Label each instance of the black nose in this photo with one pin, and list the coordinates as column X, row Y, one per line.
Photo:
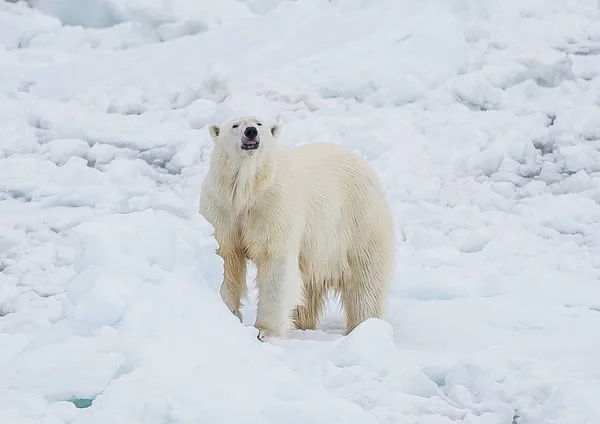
column 250, row 133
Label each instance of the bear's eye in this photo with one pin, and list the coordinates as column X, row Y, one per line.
column 235, row 125
column 259, row 124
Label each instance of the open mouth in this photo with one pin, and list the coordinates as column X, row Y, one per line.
column 250, row 144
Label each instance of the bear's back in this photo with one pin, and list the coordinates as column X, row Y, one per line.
column 345, row 203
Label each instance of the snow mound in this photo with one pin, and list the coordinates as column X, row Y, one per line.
column 146, row 318
column 88, row 13
column 366, row 344
column 169, row 19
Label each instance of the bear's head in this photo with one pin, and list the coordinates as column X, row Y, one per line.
column 244, row 136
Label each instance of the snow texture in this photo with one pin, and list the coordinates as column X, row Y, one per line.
column 482, row 119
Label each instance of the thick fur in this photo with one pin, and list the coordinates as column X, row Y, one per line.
column 313, row 219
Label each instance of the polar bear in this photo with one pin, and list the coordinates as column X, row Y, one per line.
column 313, row 219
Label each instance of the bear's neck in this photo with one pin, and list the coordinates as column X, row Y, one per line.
column 246, row 181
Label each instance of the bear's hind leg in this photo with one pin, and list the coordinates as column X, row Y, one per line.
column 308, row 315
column 364, row 294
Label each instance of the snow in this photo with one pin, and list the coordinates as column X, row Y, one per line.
column 482, row 119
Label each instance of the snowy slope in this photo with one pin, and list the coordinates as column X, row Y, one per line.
column 482, row 119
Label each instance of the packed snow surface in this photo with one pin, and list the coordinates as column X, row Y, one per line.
column 482, row 119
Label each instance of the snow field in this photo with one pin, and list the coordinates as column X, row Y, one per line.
column 481, row 118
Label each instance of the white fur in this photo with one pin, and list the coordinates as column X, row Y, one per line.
column 312, row 219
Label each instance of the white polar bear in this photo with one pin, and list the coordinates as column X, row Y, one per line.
column 312, row 219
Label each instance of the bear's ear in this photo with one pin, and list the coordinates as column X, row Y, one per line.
column 214, row 130
column 275, row 130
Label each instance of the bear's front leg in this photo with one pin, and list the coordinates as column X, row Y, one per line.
column 233, row 288
column 279, row 292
